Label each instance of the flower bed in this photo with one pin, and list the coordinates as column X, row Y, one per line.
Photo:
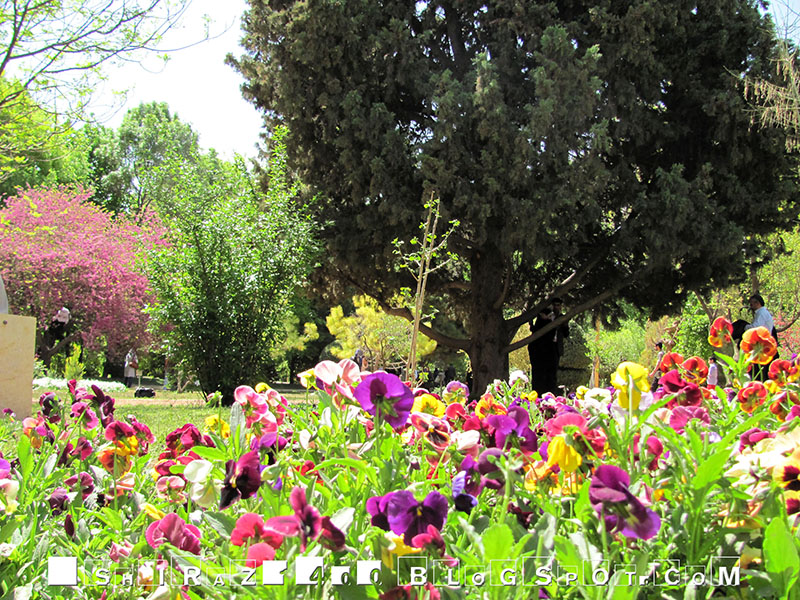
column 383, row 491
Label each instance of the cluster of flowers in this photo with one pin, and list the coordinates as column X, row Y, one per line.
column 499, row 454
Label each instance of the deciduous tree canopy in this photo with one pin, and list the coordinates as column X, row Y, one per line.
column 588, row 149
column 58, row 250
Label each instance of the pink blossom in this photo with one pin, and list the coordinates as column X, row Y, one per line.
column 176, row 531
column 58, row 248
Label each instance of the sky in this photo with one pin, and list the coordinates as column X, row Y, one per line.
column 195, row 82
column 204, row 91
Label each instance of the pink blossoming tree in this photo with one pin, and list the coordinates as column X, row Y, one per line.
column 58, row 250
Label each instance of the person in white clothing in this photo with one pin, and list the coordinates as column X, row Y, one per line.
column 713, row 372
column 761, row 316
column 131, row 364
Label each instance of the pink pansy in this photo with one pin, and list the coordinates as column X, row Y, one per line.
column 681, row 415
column 328, row 372
column 80, row 411
column 176, row 531
column 556, row 425
column 171, row 488
column 350, row 373
column 258, row 553
column 250, row 526
column 253, row 404
column 119, row 551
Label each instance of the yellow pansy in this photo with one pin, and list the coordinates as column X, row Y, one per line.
column 561, row 454
column 152, row 512
column 427, row 403
column 213, row 424
column 630, row 376
column 395, row 547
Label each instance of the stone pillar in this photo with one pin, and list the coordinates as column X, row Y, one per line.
column 17, row 341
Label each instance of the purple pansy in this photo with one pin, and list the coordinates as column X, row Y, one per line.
column 514, row 426
column 462, row 500
column 242, row 479
column 386, row 396
column 622, row 511
column 376, row 507
column 409, row 517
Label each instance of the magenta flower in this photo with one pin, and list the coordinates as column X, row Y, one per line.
column 118, row 430
column 686, row 393
column 251, row 527
column 58, row 501
column 331, row 536
column 622, row 511
column 409, row 517
column 174, row 530
column 433, row 542
column 514, row 428
column 183, row 439
column 242, row 479
column 748, row 439
column 81, row 412
column 383, row 395
column 143, row 434
column 307, row 523
column 49, row 403
column 86, row 483
column 681, row 415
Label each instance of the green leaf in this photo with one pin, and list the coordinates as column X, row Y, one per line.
column 497, row 542
column 213, row 454
column 24, row 455
column 220, row 522
column 711, row 468
column 780, row 554
column 111, row 518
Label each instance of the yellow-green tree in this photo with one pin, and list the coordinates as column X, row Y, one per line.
column 384, row 339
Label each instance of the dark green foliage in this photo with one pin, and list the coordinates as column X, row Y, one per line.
column 224, row 284
column 589, row 149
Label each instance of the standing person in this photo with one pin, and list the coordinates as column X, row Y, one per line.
column 131, row 364
column 713, row 372
column 545, row 353
column 656, row 373
column 58, row 326
column 761, row 318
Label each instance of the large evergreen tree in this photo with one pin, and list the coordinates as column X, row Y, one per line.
column 589, row 149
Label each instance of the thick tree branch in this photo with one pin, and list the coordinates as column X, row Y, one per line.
column 609, row 293
column 440, row 338
column 565, row 286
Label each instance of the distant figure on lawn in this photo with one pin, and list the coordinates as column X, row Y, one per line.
column 545, row 353
column 131, row 364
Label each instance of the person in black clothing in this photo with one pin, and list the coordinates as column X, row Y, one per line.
column 545, row 352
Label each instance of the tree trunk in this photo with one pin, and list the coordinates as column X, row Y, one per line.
column 488, row 329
